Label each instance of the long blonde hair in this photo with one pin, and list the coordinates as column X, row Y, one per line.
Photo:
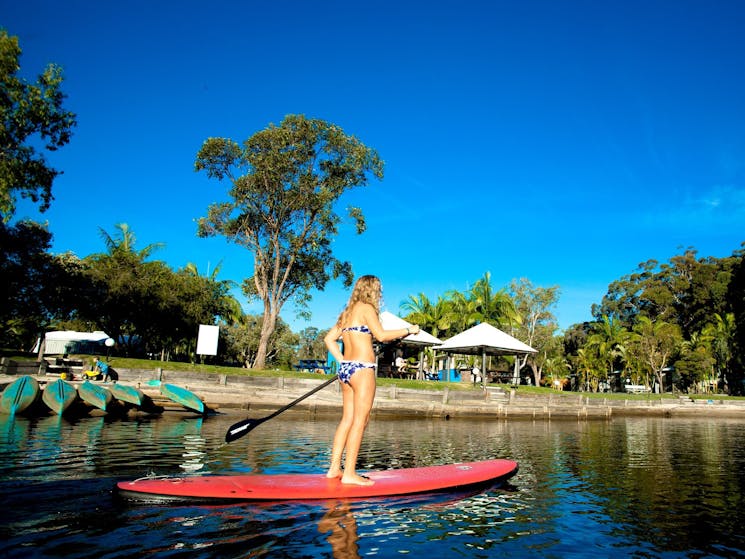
column 366, row 290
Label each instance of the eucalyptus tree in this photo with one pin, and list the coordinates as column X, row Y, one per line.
column 537, row 324
column 655, row 343
column 33, row 118
column 286, row 182
column 242, row 341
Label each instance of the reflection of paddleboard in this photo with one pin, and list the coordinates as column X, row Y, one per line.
column 19, row 395
column 182, row 396
column 94, row 395
column 316, row 486
column 59, row 395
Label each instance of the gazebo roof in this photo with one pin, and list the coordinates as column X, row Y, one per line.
column 390, row 321
column 484, row 338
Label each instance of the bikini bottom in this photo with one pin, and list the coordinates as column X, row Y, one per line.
column 348, row 368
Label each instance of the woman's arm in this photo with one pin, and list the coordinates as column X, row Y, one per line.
column 331, row 340
column 373, row 322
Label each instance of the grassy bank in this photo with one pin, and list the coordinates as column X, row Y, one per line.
column 129, row 363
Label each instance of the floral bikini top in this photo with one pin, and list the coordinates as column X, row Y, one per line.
column 362, row 329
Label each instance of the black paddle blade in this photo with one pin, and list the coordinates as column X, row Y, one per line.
column 239, row 429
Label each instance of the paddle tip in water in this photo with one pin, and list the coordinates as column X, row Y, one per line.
column 237, row 430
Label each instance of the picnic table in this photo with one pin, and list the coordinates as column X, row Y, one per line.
column 312, row 366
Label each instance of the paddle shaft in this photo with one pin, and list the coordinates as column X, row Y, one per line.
column 303, row 397
column 243, row 427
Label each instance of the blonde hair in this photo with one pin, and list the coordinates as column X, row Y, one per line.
column 366, row 290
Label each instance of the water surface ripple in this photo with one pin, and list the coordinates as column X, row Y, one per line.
column 628, row 487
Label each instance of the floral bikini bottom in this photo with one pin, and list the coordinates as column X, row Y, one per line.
column 348, row 368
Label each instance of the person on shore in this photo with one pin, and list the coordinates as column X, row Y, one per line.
column 103, row 368
column 357, row 325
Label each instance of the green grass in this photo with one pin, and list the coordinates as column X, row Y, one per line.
column 129, row 363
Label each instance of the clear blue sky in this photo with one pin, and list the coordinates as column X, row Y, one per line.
column 560, row 141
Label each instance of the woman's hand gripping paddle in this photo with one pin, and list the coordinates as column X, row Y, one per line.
column 237, row 430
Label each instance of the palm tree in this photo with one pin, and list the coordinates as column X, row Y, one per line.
column 124, row 243
column 495, row 307
column 464, row 310
column 722, row 335
column 607, row 340
column 231, row 308
column 434, row 318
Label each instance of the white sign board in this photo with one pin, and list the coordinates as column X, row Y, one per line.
column 207, row 340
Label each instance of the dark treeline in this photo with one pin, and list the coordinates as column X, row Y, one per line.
column 678, row 325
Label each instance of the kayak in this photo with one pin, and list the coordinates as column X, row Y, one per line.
column 183, row 397
column 59, row 396
column 282, row 487
column 127, row 394
column 19, row 395
column 94, row 395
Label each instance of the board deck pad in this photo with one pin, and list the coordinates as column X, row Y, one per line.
column 282, row 487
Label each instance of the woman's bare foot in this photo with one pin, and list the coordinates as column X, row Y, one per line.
column 333, row 473
column 354, row 479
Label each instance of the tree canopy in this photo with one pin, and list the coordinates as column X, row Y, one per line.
column 285, row 183
column 32, row 115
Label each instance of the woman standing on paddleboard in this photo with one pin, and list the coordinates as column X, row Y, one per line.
column 357, row 325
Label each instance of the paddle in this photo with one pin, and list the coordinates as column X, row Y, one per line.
column 237, row 430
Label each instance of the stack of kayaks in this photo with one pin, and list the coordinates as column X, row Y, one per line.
column 24, row 395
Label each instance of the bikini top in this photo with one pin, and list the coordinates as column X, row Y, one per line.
column 362, row 329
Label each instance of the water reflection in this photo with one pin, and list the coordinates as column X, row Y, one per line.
column 643, row 487
column 339, row 523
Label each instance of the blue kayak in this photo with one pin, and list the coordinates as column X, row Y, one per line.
column 19, row 395
column 94, row 395
column 127, row 394
column 59, row 396
column 182, row 396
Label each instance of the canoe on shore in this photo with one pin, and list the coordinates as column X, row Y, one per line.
column 182, row 396
column 59, row 396
column 19, row 395
column 94, row 395
column 127, row 394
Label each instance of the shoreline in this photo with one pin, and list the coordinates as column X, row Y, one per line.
column 249, row 395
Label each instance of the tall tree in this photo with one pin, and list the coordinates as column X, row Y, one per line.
column 736, row 298
column 436, row 318
column 655, row 343
column 286, row 181
column 32, row 118
column 493, row 306
column 36, row 287
column 607, row 340
column 538, row 324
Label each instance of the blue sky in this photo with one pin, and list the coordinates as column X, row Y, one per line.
column 560, row 141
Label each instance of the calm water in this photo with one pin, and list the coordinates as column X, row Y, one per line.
column 627, row 487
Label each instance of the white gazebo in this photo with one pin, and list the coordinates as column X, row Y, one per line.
column 485, row 339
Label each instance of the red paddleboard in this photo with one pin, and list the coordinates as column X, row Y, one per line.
column 283, row 487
